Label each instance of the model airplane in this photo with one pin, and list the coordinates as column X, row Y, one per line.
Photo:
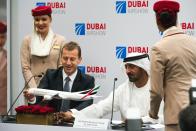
column 53, row 94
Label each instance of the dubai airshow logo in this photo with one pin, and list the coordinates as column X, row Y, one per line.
column 121, row 7
column 132, row 6
column 57, row 7
column 80, row 28
column 188, row 27
column 96, row 29
column 98, row 72
column 82, row 69
column 122, row 51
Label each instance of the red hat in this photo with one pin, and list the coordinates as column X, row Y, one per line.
column 169, row 5
column 41, row 10
column 3, row 27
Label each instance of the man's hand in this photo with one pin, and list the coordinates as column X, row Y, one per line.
column 61, row 117
column 28, row 96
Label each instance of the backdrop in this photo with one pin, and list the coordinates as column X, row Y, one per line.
column 107, row 30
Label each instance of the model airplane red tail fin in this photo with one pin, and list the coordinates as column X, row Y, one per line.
column 91, row 92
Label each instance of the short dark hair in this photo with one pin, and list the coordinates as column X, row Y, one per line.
column 187, row 118
column 71, row 46
column 167, row 19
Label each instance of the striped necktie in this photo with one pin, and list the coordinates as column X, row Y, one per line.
column 66, row 88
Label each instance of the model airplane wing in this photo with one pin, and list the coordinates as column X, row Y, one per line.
column 53, row 94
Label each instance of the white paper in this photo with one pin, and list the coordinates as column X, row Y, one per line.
column 91, row 123
column 157, row 126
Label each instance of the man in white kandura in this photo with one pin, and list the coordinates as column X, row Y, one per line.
column 133, row 93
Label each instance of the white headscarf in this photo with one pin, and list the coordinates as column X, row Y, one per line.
column 139, row 59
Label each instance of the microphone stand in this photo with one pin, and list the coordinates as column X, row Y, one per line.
column 115, row 79
column 5, row 117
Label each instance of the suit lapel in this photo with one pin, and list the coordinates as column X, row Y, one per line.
column 60, row 80
column 77, row 82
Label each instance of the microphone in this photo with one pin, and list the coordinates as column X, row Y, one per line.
column 22, row 91
column 192, row 92
column 7, row 114
column 114, row 85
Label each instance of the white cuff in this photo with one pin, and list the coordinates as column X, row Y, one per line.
column 32, row 102
column 76, row 113
column 148, row 119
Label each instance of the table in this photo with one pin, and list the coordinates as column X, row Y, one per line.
column 29, row 127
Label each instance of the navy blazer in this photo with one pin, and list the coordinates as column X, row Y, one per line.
column 53, row 80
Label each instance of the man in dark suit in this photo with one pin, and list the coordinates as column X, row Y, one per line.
column 56, row 79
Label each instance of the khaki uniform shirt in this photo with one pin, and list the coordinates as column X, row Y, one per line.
column 173, row 65
column 3, row 82
column 35, row 65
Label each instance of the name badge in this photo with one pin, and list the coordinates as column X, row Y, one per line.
column 91, row 123
column 56, row 47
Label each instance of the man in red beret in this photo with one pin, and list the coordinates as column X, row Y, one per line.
column 173, row 65
column 3, row 69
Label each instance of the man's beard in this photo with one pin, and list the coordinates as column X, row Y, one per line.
column 132, row 78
